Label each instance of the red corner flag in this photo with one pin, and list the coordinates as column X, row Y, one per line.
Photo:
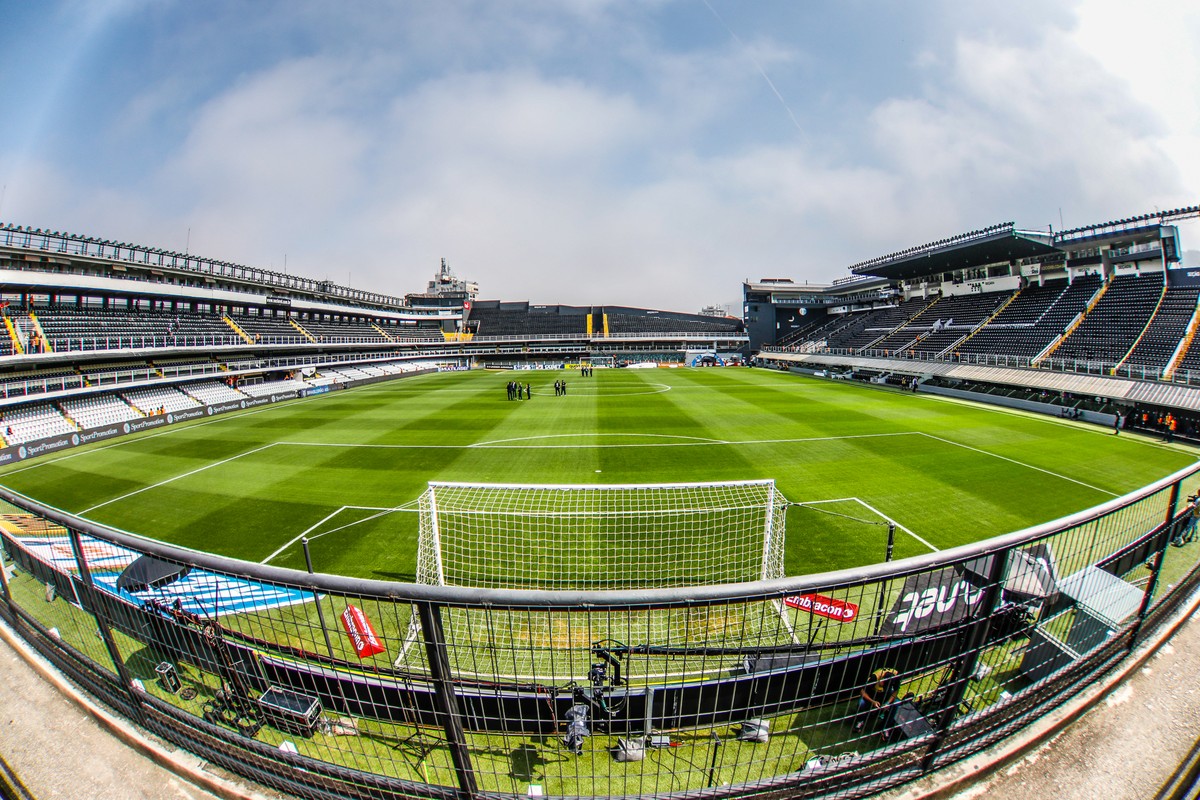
column 362, row 635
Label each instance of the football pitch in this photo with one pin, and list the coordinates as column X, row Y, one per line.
column 345, row 469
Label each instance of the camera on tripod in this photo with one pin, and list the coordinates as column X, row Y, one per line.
column 598, row 675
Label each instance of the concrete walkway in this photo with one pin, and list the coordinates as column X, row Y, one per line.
column 60, row 751
column 1125, row 748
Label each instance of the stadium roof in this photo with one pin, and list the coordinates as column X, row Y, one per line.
column 1129, row 226
column 989, row 245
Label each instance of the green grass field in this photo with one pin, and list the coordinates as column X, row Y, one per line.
column 248, row 485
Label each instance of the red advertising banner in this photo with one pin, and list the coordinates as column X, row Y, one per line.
column 822, row 606
column 362, row 635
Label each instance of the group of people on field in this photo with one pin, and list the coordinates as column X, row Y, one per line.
column 522, row 391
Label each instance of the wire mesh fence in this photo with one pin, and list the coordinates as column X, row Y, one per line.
column 831, row 685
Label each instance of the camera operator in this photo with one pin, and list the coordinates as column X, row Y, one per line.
column 1187, row 533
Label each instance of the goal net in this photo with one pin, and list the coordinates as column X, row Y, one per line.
column 579, row 538
column 600, row 537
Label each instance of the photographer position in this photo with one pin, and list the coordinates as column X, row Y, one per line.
column 1187, row 533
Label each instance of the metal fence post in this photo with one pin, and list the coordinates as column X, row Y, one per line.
column 1156, row 565
column 968, row 659
column 85, row 574
column 434, row 636
column 7, row 592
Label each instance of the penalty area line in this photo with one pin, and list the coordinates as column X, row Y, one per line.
column 300, row 536
column 909, row 531
column 381, row 511
column 873, row 510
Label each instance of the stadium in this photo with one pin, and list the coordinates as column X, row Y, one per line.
column 351, row 545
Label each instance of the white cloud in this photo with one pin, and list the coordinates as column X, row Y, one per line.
column 565, row 154
column 1017, row 131
column 1151, row 53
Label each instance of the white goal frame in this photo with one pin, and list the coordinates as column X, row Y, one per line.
column 573, row 537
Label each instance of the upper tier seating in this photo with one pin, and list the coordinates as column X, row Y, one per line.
column 660, row 322
column 1031, row 321
column 863, row 328
column 270, row 330
column 1116, row 321
column 1166, row 329
column 519, row 319
column 349, row 332
column 69, row 328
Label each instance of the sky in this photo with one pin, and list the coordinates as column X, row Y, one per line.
column 633, row 152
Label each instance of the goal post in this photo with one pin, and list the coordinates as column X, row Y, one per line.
column 600, row 537
column 591, row 537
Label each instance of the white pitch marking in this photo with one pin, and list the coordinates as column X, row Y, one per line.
column 819, row 502
column 175, row 478
column 691, row 439
column 1021, row 464
column 876, row 511
column 699, row 443
column 382, row 512
column 307, row 531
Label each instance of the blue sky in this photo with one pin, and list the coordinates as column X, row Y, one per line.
column 590, row 151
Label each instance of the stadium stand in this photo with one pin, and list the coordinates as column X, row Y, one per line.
column 350, row 332
column 1110, row 329
column 28, row 423
column 866, row 328
column 167, row 398
column 869, row 331
column 956, row 318
column 213, row 392
column 273, row 387
column 623, row 321
column 1027, row 325
column 1166, row 329
column 21, row 384
column 805, row 331
column 96, row 410
column 1190, row 362
column 496, row 318
column 270, row 330
column 72, row 329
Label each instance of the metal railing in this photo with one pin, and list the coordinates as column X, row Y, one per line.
column 1078, row 366
column 326, row 686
